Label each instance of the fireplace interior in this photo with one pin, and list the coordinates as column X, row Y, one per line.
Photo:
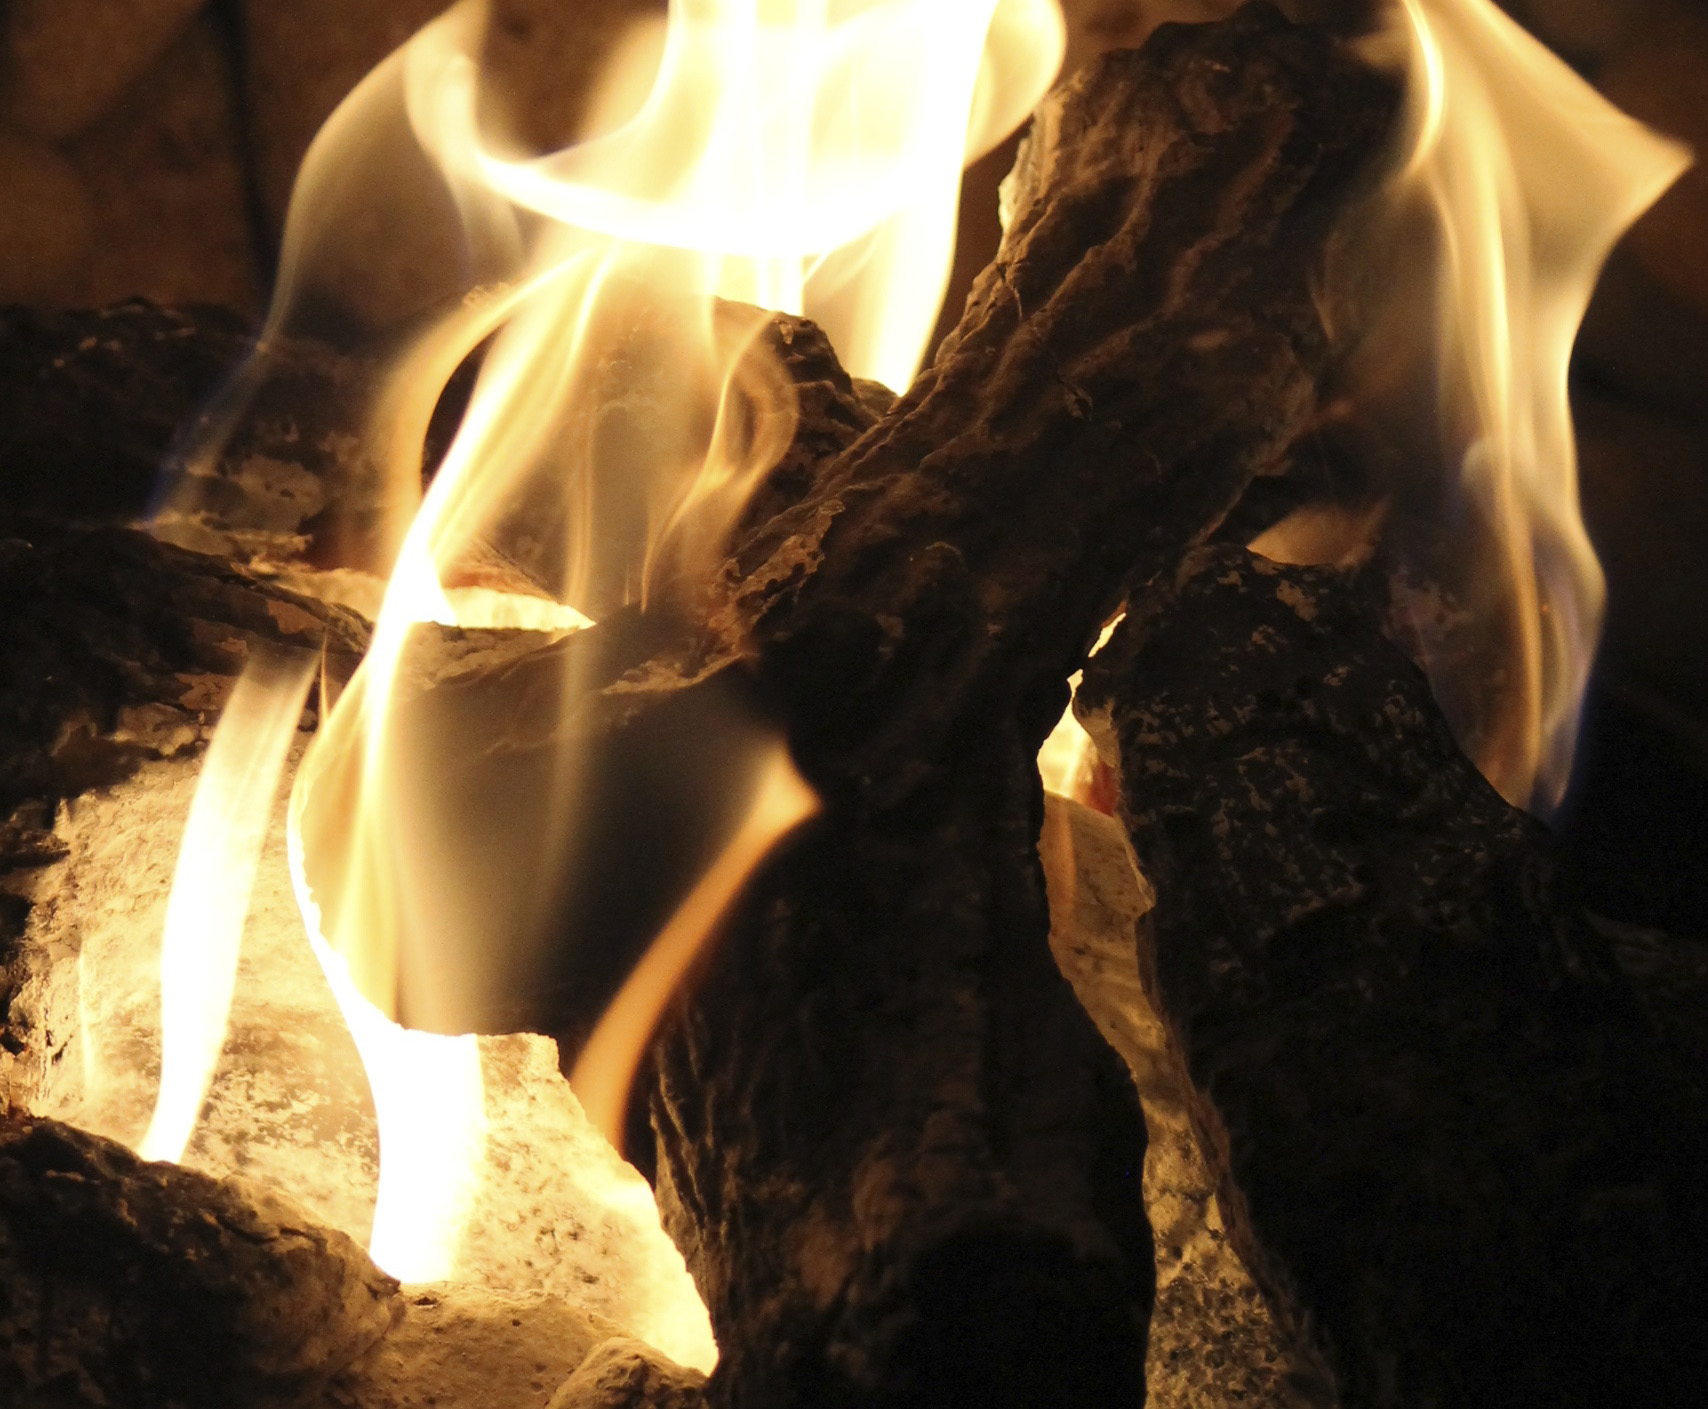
column 973, row 809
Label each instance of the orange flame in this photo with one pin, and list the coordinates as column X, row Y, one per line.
column 606, row 1067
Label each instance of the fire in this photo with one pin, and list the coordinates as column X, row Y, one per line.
column 799, row 155
column 217, row 862
column 1518, row 180
column 607, row 1064
column 1533, row 177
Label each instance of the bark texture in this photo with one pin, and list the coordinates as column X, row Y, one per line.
column 147, row 1285
column 1446, row 1137
column 898, row 1158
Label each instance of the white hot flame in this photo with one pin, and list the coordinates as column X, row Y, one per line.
column 211, row 887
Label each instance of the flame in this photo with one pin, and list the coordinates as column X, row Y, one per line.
column 606, row 1067
column 429, row 1107
column 217, row 862
column 799, row 155
column 1530, row 178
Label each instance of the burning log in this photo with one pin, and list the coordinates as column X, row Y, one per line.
column 902, row 1164
column 889, row 1142
column 1446, row 1138
column 117, row 647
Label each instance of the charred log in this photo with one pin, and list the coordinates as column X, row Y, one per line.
column 903, row 1165
column 141, row 1284
column 115, row 647
column 1445, row 1135
column 890, row 1143
column 96, row 399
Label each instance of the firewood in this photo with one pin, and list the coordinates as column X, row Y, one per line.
column 115, row 647
column 1448, row 1142
column 902, row 1164
column 123, row 1282
column 890, row 1145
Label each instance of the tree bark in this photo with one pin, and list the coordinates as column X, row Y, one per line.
column 1447, row 1140
column 891, row 1146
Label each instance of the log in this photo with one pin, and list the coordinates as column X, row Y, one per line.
column 1448, row 1142
column 115, row 647
column 111, row 408
column 900, row 1160
column 123, row 1282
column 891, row 1147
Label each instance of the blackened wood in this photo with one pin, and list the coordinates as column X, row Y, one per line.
column 1446, row 1137
column 147, row 1285
column 115, row 648
column 899, row 1160
column 1145, row 342
column 93, row 400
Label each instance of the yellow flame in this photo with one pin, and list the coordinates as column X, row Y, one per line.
column 211, row 887
column 802, row 155
column 429, row 1107
column 1532, row 177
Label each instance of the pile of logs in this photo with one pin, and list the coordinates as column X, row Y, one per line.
column 1454, row 1150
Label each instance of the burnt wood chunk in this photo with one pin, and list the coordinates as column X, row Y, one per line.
column 115, row 648
column 1145, row 342
column 1448, row 1142
column 124, row 1282
column 95, row 399
column 901, row 1163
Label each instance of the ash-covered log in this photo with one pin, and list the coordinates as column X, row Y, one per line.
column 1448, row 1143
